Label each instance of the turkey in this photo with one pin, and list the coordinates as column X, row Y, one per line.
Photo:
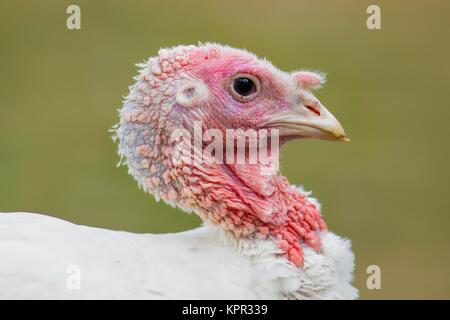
column 200, row 129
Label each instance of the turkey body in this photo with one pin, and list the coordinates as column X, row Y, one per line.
column 42, row 257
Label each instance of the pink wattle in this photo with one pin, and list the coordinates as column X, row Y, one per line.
column 286, row 216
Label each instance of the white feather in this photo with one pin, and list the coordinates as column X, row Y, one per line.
column 37, row 251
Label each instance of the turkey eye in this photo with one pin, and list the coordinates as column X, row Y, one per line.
column 244, row 87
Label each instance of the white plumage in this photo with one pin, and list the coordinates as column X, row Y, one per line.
column 37, row 251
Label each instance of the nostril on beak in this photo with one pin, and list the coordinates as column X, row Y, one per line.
column 313, row 107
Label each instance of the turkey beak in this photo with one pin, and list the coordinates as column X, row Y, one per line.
column 307, row 119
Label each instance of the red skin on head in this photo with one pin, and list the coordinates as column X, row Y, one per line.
column 245, row 202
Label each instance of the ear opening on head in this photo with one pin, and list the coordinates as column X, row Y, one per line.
column 309, row 79
column 192, row 93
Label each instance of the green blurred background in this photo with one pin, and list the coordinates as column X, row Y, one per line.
column 387, row 190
